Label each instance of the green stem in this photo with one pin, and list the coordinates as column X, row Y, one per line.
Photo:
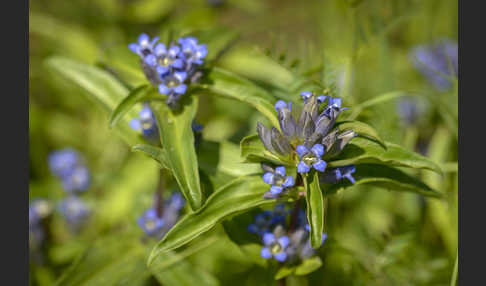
column 454, row 272
column 159, row 196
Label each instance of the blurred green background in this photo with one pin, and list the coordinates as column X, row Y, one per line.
column 379, row 237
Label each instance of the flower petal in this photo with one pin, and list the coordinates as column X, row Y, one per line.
column 302, row 167
column 280, row 170
column 284, row 241
column 135, row 124
column 160, row 50
column 265, row 253
column 301, row 150
column 163, row 89
column 268, row 238
column 318, row 150
column 276, row 190
column 289, row 182
column 281, row 256
column 320, row 165
column 180, row 89
column 268, row 178
column 280, row 104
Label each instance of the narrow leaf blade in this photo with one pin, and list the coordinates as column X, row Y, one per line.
column 136, row 95
column 155, row 153
column 315, row 208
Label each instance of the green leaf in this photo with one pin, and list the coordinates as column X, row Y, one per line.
column 284, row 271
column 225, row 83
column 239, row 195
column 308, row 266
column 136, row 95
column 362, row 129
column 357, row 109
column 101, row 87
column 253, row 150
column 361, row 150
column 383, row 176
column 315, row 208
column 156, row 153
column 224, row 157
column 177, row 139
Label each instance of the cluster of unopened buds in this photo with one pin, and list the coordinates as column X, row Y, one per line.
column 157, row 221
column 171, row 67
column 286, row 242
column 310, row 140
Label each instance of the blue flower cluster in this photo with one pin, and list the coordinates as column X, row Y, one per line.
column 157, row 221
column 312, row 138
column 436, row 62
column 68, row 166
column 335, row 175
column 169, row 68
column 279, row 242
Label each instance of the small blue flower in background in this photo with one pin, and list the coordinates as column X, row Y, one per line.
column 436, row 61
column 77, row 180
column 274, row 247
column 409, row 110
column 145, row 122
column 197, row 129
column 262, row 224
column 67, row 165
column 144, row 45
column 278, row 180
column 310, row 158
column 150, row 222
column 173, row 86
column 279, row 214
column 38, row 210
column 63, row 161
column 74, row 210
column 282, row 104
column 154, row 223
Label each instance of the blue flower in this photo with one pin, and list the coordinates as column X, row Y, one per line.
column 146, row 122
column 279, row 214
column 192, row 52
column 165, row 59
column 144, row 45
column 282, row 104
column 335, row 175
column 409, row 110
column 74, row 210
column 150, row 222
column 157, row 224
column 278, row 180
column 77, row 180
column 436, row 62
column 262, row 224
column 310, row 158
column 274, row 247
column 307, row 94
column 38, row 210
column 62, row 162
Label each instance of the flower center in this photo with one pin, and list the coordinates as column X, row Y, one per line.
column 278, row 180
column 275, row 247
column 165, row 61
column 150, row 224
column 309, row 159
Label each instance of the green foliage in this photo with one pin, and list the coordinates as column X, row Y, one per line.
column 315, row 208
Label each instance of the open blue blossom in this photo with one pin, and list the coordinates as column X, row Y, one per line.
column 62, row 162
column 274, row 247
column 311, row 158
column 145, row 122
column 173, row 86
column 78, row 180
column 436, row 62
column 193, row 52
column 74, row 210
column 157, row 223
column 165, row 59
column 278, row 180
column 144, row 45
